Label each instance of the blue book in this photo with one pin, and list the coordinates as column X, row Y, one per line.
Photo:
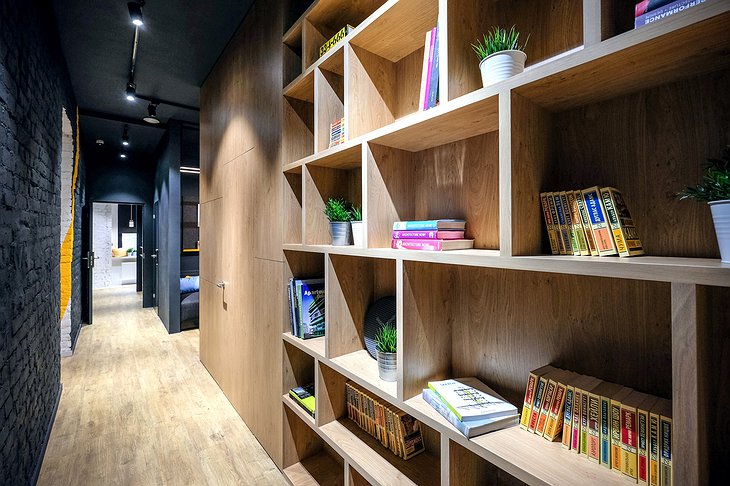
column 310, row 299
column 472, row 428
column 433, row 89
column 434, row 224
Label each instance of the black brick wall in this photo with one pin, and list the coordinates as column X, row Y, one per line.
column 34, row 87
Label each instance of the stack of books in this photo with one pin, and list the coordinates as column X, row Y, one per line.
column 306, row 307
column 594, row 221
column 470, row 406
column 650, row 11
column 430, row 71
column 395, row 429
column 337, row 132
column 304, row 396
column 335, row 39
column 612, row 425
column 432, row 235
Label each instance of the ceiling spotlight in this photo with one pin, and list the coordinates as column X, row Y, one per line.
column 131, row 91
column 99, row 141
column 135, row 12
column 122, row 155
column 152, row 114
column 125, row 136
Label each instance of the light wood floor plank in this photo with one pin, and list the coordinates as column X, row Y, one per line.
column 138, row 408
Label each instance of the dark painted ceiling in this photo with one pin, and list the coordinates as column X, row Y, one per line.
column 178, row 45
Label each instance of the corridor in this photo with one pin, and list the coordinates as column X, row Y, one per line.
column 138, row 408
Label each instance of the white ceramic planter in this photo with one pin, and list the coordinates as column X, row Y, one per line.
column 501, row 65
column 721, row 217
column 357, row 235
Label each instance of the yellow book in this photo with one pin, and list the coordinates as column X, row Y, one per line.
column 664, row 409
column 616, row 400
column 580, row 235
column 642, row 445
column 532, row 381
column 572, row 235
column 586, row 223
column 621, row 224
column 599, row 422
column 629, row 437
column 549, row 224
column 556, row 412
column 654, row 448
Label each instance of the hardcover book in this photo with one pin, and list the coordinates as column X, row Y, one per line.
column 616, row 450
column 599, row 224
column 562, row 249
column 537, row 403
column 664, row 409
column 549, row 224
column 585, row 414
column 629, row 439
column 654, row 448
column 432, row 224
column 586, row 223
column 547, row 402
column 603, row 394
column 310, row 296
column 554, row 426
column 428, row 235
column 580, row 235
column 469, row 399
column 433, row 89
column 568, row 415
column 532, row 381
column 562, row 224
column 471, row 428
column 569, row 223
column 431, row 245
column 622, row 225
column 642, row 447
column 425, row 72
column 432, row 41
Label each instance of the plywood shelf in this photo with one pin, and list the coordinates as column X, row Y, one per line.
column 314, row 347
column 361, row 368
column 302, row 88
column 376, row 463
column 304, row 416
column 318, row 470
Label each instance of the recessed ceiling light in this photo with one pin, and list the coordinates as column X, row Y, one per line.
column 122, row 155
column 135, row 12
column 99, row 141
column 125, row 136
column 152, row 114
column 131, row 91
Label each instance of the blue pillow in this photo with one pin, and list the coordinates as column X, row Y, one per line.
column 189, row 284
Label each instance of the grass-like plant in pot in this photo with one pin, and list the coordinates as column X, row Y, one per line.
column 337, row 211
column 356, row 223
column 715, row 190
column 500, row 54
column 386, row 345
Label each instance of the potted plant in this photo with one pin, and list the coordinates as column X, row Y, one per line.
column 338, row 213
column 715, row 190
column 386, row 345
column 356, row 223
column 500, row 55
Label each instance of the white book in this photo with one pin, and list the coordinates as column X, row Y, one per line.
column 470, row 399
column 424, row 71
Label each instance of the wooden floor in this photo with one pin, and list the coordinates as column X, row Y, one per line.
column 138, row 408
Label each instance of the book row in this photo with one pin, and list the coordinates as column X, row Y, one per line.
column 591, row 222
column 337, row 132
column 470, row 406
column 612, row 425
column 395, row 429
column 306, row 307
column 335, row 39
column 430, row 235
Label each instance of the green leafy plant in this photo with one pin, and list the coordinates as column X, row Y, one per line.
column 337, row 210
column 386, row 339
column 356, row 214
column 715, row 185
column 498, row 39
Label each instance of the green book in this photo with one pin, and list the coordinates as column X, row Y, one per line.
column 304, row 396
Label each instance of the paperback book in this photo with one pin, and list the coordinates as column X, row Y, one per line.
column 473, row 428
column 304, row 396
column 468, row 400
column 662, row 12
column 431, row 245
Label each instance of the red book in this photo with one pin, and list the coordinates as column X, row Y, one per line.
column 431, row 245
column 428, row 235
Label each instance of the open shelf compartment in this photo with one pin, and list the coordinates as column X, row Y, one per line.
column 376, row 463
column 293, row 205
column 302, row 265
column 649, row 144
column 308, row 459
column 467, row 468
column 554, row 27
column 329, row 86
column 353, row 284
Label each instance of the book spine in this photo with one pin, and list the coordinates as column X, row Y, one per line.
column 666, row 477
column 547, row 402
column 424, row 101
column 429, row 245
column 594, row 424
column 654, row 449
column 415, row 225
column 291, row 307
column 616, row 436
column 584, row 412
column 626, row 223
column 552, row 236
column 606, row 432
column 642, row 458
column 575, row 439
column 529, row 399
column 535, row 413
column 428, row 235
column 586, row 223
column 554, row 426
column 614, row 224
column 628, row 441
column 601, row 232
column 434, row 84
column 666, row 11
column 564, row 232
column 424, row 70
column 568, row 416
column 580, row 235
column 556, row 223
column 569, row 224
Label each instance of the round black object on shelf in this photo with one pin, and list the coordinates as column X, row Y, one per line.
column 380, row 313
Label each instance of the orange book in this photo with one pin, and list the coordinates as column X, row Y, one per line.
column 547, row 401
column 532, row 381
column 556, row 414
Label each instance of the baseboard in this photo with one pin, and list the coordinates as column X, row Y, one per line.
column 39, row 463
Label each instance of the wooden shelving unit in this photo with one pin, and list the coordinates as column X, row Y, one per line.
column 598, row 104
